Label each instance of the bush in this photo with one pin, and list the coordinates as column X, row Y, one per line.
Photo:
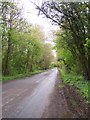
column 77, row 81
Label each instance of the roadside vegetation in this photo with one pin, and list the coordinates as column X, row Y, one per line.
column 24, row 51
column 72, row 40
column 19, row 76
column 77, row 81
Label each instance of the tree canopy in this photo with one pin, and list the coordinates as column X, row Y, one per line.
column 73, row 19
column 23, row 45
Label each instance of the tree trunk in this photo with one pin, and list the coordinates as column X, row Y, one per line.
column 84, row 64
column 7, row 60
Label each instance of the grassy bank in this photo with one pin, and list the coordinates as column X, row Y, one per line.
column 17, row 76
column 78, row 82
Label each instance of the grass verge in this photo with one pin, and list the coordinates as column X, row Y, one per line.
column 8, row 78
column 78, row 82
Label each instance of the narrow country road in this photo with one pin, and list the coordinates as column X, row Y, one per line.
column 28, row 97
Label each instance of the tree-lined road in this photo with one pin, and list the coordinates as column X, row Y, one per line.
column 28, row 97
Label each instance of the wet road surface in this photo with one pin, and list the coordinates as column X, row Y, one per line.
column 28, row 97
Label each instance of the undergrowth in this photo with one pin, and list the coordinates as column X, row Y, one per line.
column 78, row 82
column 17, row 76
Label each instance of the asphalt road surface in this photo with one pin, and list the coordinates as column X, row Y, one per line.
column 28, row 97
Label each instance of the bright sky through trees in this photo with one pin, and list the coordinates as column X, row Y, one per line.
column 31, row 15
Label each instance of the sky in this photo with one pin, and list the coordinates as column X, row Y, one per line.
column 31, row 15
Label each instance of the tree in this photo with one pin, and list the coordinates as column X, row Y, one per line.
column 73, row 18
column 27, row 49
column 10, row 17
column 48, row 57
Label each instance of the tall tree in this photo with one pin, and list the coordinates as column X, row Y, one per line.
column 73, row 17
column 10, row 17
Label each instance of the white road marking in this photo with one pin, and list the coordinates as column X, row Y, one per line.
column 17, row 95
column 3, row 98
column 7, row 102
column 5, row 109
column 11, row 99
column 38, row 81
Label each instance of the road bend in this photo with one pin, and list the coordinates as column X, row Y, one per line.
column 28, row 97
